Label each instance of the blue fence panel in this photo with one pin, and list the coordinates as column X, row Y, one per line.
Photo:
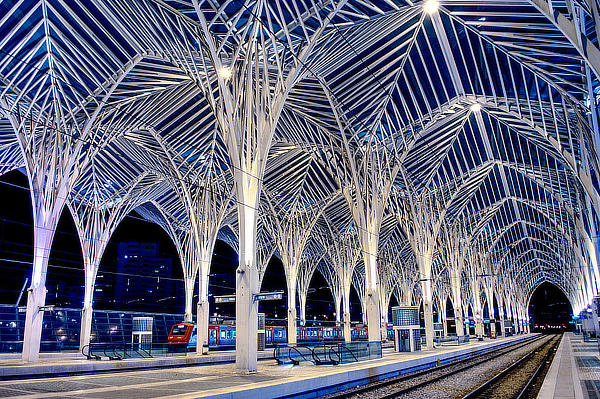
column 61, row 327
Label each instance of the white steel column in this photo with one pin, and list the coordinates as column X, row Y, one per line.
column 292, row 316
column 45, row 222
column 302, row 299
column 346, row 319
column 189, row 282
column 457, row 304
column 444, row 318
column 202, row 308
column 246, row 309
column 427, row 310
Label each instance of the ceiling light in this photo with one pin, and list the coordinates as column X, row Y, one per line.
column 225, row 73
column 431, row 6
column 475, row 107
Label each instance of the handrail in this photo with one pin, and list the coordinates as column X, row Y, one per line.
column 326, row 353
column 140, row 351
column 115, row 355
column 88, row 348
column 316, row 357
column 297, row 351
column 349, row 350
column 339, row 357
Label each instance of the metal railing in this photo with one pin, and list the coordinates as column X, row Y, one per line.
column 327, row 353
column 120, row 351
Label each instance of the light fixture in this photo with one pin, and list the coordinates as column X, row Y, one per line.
column 475, row 107
column 431, row 6
column 225, row 73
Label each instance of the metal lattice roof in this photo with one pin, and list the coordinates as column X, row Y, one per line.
column 465, row 140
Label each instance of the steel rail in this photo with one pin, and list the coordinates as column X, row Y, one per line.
column 538, row 371
column 406, row 377
column 479, row 391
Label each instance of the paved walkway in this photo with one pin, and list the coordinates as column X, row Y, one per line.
column 11, row 365
column 221, row 381
column 575, row 371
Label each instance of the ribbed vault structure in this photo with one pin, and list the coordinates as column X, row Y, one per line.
column 426, row 151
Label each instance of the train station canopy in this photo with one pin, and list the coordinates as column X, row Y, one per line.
column 427, row 150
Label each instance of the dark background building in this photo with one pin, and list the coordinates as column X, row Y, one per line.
column 144, row 277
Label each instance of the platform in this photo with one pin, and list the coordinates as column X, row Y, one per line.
column 221, row 380
column 11, row 366
column 575, row 371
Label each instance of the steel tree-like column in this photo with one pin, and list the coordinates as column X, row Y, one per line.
column 454, row 251
column 291, row 230
column 309, row 261
column 501, row 315
column 457, row 304
column 427, row 296
column 344, row 252
column 51, row 171
column 94, row 235
column 254, row 73
column 423, row 243
column 489, row 294
column 328, row 271
column 95, row 223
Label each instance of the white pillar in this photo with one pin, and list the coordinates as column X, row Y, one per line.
column 189, row 283
column 347, row 329
column 373, row 316
column 384, row 323
column 458, row 320
column 369, row 244
column 478, row 325
column 36, row 297
column 85, row 332
column 202, row 316
column 427, row 311
column 203, row 306
column 303, row 309
column 338, row 309
column 444, row 317
column 247, row 284
column 292, row 330
column 43, row 235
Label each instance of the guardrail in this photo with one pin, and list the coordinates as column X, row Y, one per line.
column 120, row 351
column 327, row 353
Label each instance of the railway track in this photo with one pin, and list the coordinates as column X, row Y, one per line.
column 406, row 385
column 521, row 379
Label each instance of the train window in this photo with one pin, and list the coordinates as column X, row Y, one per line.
column 179, row 329
column 223, row 334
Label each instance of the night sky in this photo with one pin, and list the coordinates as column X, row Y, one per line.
column 65, row 274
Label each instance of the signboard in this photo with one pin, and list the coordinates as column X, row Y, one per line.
column 262, row 296
column 23, row 309
column 268, row 296
column 224, row 298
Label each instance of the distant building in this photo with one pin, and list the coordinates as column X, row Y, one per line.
column 65, row 293
column 104, row 290
column 143, row 280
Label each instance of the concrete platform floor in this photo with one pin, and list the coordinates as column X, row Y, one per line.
column 11, row 366
column 575, row 371
column 221, row 381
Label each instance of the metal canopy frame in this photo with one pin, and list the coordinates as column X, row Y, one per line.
column 446, row 151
